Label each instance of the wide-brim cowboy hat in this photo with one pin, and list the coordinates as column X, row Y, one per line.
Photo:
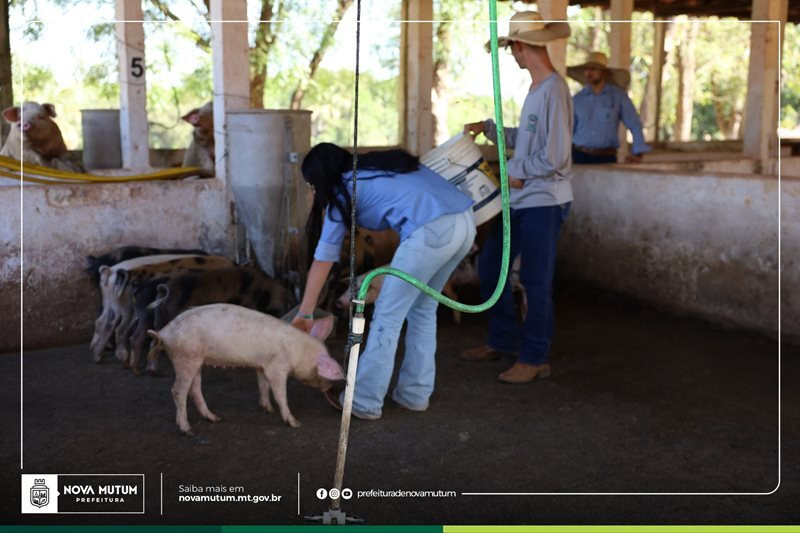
column 528, row 27
column 618, row 76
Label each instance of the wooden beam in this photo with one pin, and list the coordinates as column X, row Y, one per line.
column 761, row 109
column 402, row 87
column 686, row 65
column 230, row 56
column 741, row 9
column 418, row 70
column 703, row 10
column 557, row 50
column 620, row 41
column 6, row 88
column 652, row 115
column 133, row 85
column 231, row 60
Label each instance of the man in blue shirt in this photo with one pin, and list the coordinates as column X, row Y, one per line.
column 599, row 107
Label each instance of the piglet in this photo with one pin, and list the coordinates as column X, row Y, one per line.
column 228, row 335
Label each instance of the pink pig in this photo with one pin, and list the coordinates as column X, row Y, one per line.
column 228, row 335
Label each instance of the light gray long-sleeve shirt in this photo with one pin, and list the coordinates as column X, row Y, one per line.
column 542, row 146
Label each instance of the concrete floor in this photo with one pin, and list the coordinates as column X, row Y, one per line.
column 638, row 402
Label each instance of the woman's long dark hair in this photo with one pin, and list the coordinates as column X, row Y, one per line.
column 322, row 169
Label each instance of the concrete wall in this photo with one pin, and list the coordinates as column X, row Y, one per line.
column 696, row 243
column 62, row 224
column 721, row 163
column 790, row 167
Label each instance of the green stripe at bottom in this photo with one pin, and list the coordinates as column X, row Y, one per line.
column 621, row 529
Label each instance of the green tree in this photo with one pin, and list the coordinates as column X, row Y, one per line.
column 790, row 88
column 292, row 51
column 458, row 40
column 330, row 96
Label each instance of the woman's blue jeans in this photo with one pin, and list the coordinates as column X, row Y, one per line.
column 431, row 253
column 534, row 234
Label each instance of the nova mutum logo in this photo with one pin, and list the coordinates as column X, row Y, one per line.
column 83, row 493
column 39, row 494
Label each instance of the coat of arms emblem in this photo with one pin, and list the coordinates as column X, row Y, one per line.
column 40, row 493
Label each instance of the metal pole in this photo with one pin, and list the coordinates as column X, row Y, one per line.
column 347, row 409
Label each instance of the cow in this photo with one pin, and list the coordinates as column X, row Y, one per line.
column 201, row 150
column 35, row 138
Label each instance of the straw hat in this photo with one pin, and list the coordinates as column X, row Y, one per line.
column 618, row 76
column 528, row 27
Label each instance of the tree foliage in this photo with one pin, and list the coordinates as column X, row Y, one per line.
column 720, row 84
column 790, row 87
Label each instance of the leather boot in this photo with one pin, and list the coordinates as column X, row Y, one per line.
column 524, row 373
column 481, row 353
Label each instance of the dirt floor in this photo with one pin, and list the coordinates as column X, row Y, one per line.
column 639, row 402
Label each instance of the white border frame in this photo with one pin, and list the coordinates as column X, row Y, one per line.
column 773, row 491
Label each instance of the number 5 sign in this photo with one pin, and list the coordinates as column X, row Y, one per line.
column 137, row 67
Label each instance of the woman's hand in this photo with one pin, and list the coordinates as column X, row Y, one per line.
column 302, row 323
column 515, row 183
column 317, row 275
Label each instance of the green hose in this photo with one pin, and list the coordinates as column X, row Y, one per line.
column 501, row 148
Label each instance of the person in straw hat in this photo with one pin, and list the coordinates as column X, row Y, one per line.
column 599, row 107
column 540, row 174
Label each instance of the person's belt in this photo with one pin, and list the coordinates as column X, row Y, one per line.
column 596, row 151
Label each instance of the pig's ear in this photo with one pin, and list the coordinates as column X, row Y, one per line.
column 51, row 109
column 192, row 117
column 11, row 114
column 322, row 327
column 328, row 368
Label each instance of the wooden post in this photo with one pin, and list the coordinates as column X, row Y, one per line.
column 652, row 107
column 230, row 56
column 620, row 41
column 761, row 108
column 418, row 76
column 133, row 87
column 557, row 50
column 6, row 89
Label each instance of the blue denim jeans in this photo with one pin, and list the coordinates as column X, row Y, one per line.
column 534, row 233
column 431, row 254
